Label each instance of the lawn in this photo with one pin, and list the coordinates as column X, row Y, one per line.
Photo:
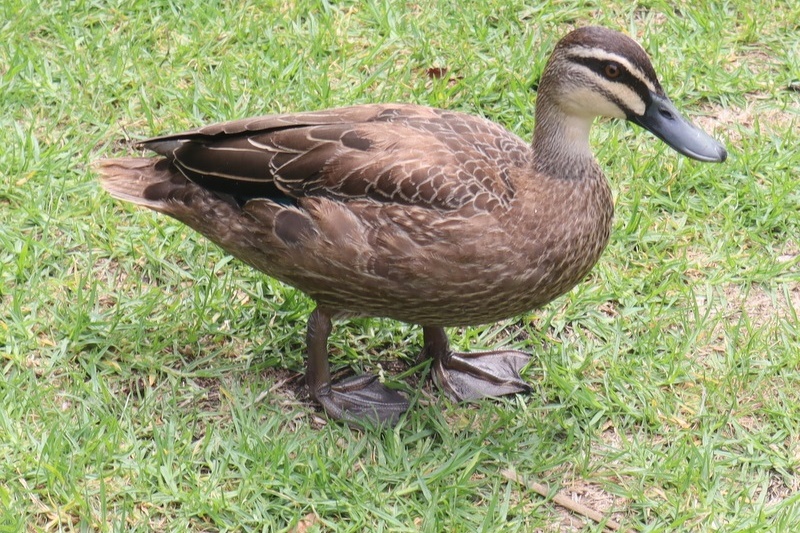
column 151, row 383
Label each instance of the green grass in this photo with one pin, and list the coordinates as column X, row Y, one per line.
column 148, row 382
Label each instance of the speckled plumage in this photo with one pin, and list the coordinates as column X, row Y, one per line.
column 399, row 211
column 422, row 215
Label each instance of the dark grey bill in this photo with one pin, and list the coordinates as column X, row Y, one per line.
column 664, row 120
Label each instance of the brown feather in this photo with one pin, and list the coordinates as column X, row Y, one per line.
column 423, row 215
column 400, row 153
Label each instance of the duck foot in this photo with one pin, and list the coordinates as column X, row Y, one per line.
column 471, row 376
column 358, row 400
column 362, row 399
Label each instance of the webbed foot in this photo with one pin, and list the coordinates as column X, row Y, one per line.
column 361, row 399
column 358, row 400
column 471, row 376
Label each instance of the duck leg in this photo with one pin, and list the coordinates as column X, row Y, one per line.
column 358, row 399
column 470, row 376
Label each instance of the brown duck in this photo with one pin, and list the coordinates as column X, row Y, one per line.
column 422, row 215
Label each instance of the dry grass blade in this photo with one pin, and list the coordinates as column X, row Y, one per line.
column 563, row 500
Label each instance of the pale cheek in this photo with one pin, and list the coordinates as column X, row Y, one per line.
column 583, row 102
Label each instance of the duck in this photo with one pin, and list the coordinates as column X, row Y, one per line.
column 427, row 216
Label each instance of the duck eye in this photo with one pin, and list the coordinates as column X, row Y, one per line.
column 612, row 70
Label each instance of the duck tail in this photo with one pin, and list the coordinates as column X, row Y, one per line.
column 145, row 181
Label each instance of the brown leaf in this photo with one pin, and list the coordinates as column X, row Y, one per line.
column 306, row 523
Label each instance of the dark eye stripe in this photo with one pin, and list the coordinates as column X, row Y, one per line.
column 624, row 78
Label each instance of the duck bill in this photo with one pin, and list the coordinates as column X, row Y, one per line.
column 663, row 120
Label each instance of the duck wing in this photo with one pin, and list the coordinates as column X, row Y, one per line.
column 401, row 154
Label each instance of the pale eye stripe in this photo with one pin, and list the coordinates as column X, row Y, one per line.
column 603, row 55
column 620, row 94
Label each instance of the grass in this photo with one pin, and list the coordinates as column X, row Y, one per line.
column 148, row 382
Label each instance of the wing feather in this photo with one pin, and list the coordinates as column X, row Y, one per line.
column 388, row 153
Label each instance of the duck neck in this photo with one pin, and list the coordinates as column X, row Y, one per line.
column 561, row 142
